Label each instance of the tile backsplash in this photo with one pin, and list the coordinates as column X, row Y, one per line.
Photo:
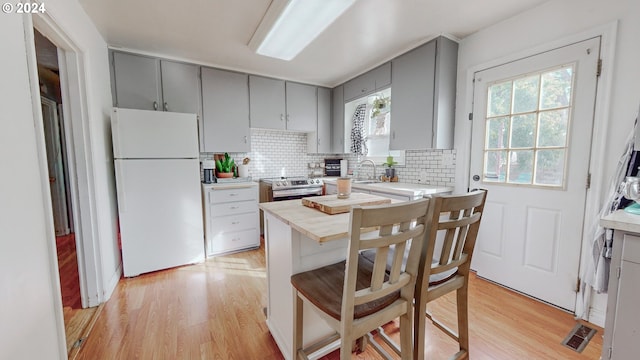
column 281, row 153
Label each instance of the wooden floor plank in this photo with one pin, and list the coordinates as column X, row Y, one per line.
column 214, row 310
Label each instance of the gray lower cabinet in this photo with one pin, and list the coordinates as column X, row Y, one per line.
column 302, row 107
column 231, row 217
column 622, row 326
column 337, row 120
column 267, row 105
column 423, row 96
column 225, row 104
column 320, row 141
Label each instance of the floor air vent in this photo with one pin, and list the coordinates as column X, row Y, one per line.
column 579, row 337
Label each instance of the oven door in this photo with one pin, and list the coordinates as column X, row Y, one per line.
column 292, row 194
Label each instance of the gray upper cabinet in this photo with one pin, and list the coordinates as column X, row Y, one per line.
column 142, row 82
column 180, row 87
column 225, row 105
column 337, row 120
column 267, row 105
column 423, row 96
column 136, row 81
column 368, row 82
column 320, row 141
column 302, row 107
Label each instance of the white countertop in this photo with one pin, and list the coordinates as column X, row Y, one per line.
column 400, row 188
column 621, row 220
column 230, row 185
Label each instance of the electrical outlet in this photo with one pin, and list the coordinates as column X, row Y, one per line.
column 423, row 176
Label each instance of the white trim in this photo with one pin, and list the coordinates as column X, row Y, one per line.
column 32, row 67
column 608, row 34
column 81, row 173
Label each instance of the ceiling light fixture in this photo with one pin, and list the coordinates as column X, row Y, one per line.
column 290, row 25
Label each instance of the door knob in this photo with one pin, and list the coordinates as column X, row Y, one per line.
column 476, row 177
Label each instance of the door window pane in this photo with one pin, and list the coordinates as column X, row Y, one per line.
column 523, row 131
column 499, row 99
column 525, row 94
column 556, row 88
column 497, row 133
column 553, row 128
column 494, row 166
column 527, row 134
column 550, row 167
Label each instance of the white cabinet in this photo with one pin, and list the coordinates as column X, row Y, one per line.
column 320, row 140
column 622, row 326
column 231, row 217
column 225, row 111
column 337, row 120
column 423, row 96
column 365, row 84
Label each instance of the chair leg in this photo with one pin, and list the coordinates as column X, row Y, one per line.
column 406, row 341
column 297, row 323
column 463, row 319
column 419, row 320
column 346, row 344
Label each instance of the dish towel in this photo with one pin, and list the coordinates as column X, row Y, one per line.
column 358, row 137
column 596, row 273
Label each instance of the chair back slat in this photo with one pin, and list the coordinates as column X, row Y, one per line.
column 401, row 226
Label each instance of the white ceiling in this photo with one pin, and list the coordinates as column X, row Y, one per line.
column 216, row 32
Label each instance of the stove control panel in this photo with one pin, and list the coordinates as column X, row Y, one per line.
column 296, row 183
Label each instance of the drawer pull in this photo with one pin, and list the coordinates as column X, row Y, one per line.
column 234, row 194
column 235, row 223
column 235, row 239
column 234, row 207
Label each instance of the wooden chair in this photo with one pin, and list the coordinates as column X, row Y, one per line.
column 458, row 217
column 356, row 296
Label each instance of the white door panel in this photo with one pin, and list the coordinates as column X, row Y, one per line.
column 532, row 155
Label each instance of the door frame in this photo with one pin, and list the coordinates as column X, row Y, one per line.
column 81, row 174
column 608, row 33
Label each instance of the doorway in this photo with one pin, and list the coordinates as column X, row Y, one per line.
column 76, row 319
column 531, row 140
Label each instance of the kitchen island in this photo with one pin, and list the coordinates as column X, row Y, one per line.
column 298, row 239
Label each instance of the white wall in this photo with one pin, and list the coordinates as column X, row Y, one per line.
column 26, row 290
column 554, row 20
column 30, row 305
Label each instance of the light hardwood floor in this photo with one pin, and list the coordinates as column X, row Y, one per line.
column 214, row 310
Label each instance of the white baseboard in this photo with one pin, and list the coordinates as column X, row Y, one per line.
column 597, row 316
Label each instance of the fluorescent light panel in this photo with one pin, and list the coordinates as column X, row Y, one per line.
column 300, row 22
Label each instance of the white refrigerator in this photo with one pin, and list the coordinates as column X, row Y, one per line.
column 157, row 170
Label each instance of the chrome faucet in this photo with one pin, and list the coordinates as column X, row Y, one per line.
column 372, row 164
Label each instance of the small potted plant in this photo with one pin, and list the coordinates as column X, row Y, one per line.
column 390, row 171
column 225, row 167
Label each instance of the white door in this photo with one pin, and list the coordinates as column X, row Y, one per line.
column 532, row 123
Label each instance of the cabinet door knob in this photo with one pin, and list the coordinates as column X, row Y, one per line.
column 281, row 117
column 166, row 106
column 155, row 105
column 245, row 139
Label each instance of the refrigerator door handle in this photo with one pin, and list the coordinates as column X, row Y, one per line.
column 120, row 190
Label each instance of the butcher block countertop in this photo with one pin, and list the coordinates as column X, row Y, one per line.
column 310, row 222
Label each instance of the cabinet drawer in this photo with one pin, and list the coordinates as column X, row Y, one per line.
column 227, row 195
column 631, row 249
column 232, row 208
column 232, row 241
column 230, row 223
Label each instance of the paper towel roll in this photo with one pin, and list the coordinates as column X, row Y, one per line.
column 344, row 166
